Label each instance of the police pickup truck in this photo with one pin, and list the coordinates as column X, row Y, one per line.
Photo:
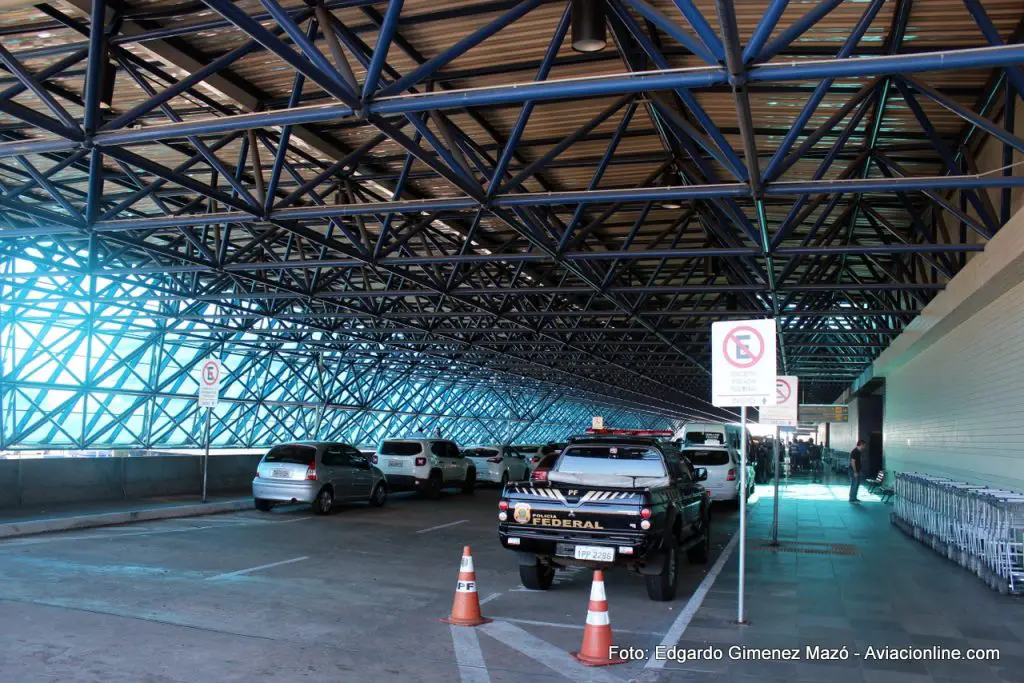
column 609, row 501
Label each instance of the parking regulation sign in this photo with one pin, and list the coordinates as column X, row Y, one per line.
column 210, row 373
column 743, row 363
column 787, row 403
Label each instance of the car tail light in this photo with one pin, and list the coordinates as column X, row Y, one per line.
column 731, row 475
column 375, row 461
column 503, row 505
column 540, row 475
column 311, row 472
column 645, row 513
column 257, row 474
column 495, row 460
column 420, row 462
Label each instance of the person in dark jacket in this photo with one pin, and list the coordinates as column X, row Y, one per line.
column 856, row 458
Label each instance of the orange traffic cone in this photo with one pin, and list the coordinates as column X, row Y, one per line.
column 466, row 607
column 597, row 634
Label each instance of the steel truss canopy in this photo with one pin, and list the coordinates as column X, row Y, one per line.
column 394, row 214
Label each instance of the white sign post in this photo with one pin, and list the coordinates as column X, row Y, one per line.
column 743, row 372
column 785, row 412
column 597, row 423
column 210, row 373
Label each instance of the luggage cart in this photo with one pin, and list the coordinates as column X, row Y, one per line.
column 979, row 527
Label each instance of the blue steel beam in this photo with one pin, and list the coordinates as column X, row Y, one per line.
column 564, row 89
column 677, row 32
column 794, row 30
column 764, row 29
column 423, row 72
column 991, row 33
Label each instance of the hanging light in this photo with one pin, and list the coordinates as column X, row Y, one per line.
column 588, row 32
column 666, row 181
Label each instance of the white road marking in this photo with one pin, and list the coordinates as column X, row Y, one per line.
column 576, row 627
column 472, row 668
column 675, row 632
column 492, row 596
column 545, row 653
column 94, row 537
column 240, row 572
column 442, row 526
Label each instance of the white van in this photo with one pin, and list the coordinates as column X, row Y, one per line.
column 711, row 434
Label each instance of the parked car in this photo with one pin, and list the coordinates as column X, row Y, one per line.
column 498, row 464
column 535, row 452
column 543, row 466
column 609, row 501
column 321, row 474
column 723, row 466
column 425, row 465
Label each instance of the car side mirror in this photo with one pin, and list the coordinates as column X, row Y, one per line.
column 701, row 473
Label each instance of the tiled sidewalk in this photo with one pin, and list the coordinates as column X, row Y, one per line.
column 892, row 593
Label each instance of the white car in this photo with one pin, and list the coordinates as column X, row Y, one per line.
column 498, row 464
column 723, row 466
column 426, row 465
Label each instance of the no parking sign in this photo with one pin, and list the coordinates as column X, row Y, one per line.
column 743, row 363
column 784, row 412
column 210, row 373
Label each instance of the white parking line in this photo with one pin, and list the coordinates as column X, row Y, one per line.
column 575, row 627
column 492, row 596
column 545, row 653
column 472, row 668
column 13, row 543
column 442, row 526
column 675, row 632
column 240, row 572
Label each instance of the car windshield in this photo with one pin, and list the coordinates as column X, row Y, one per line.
column 480, row 452
column 627, row 461
column 705, row 437
column 401, row 448
column 707, row 458
column 293, row 453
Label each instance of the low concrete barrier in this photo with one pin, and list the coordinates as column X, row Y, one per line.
column 31, row 481
column 100, row 519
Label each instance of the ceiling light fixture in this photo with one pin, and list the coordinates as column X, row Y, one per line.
column 588, row 30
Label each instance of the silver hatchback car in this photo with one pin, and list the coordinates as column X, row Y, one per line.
column 317, row 473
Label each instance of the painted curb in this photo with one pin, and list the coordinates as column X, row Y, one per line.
column 41, row 526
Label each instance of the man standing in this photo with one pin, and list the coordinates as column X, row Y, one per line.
column 855, row 470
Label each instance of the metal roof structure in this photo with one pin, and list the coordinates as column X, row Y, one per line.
column 376, row 207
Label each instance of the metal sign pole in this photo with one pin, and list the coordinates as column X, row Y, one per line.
column 206, row 456
column 775, row 511
column 743, row 513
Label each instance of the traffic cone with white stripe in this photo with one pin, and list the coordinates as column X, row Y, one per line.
column 597, row 634
column 466, row 607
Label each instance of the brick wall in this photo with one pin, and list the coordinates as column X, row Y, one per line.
column 956, row 409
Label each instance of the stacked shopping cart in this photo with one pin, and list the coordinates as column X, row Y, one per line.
column 979, row 527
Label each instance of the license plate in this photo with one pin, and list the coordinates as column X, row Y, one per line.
column 282, row 474
column 395, row 463
column 595, row 553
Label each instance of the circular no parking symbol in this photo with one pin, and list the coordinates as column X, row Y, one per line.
column 210, row 373
column 743, row 347
column 782, row 390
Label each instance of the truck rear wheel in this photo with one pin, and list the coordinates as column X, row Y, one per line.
column 700, row 553
column 537, row 576
column 661, row 587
